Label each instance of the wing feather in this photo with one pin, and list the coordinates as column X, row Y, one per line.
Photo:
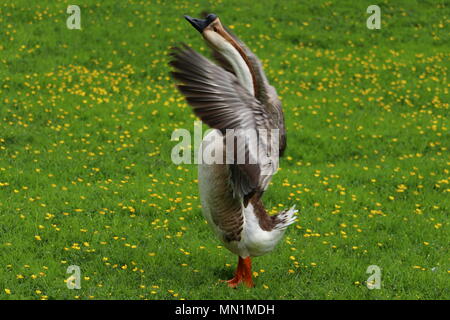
column 219, row 100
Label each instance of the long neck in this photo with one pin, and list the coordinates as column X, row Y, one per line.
column 239, row 65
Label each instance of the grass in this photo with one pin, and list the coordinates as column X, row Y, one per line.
column 86, row 178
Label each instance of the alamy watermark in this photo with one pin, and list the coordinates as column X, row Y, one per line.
column 74, row 20
column 374, row 20
column 74, row 281
column 374, row 280
column 231, row 146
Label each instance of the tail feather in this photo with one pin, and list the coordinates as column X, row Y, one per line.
column 285, row 218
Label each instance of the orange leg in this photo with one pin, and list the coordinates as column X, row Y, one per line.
column 243, row 274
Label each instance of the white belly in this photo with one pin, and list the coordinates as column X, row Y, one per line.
column 254, row 240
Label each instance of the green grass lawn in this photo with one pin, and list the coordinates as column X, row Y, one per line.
column 86, row 177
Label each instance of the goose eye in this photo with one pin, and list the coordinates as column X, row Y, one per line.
column 215, row 29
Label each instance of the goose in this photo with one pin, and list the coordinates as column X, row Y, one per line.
column 234, row 95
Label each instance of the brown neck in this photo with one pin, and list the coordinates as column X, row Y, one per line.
column 233, row 42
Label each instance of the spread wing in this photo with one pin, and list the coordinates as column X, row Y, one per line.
column 264, row 93
column 219, row 100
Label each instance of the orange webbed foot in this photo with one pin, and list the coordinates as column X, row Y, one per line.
column 243, row 274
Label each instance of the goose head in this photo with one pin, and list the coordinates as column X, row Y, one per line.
column 211, row 29
column 214, row 32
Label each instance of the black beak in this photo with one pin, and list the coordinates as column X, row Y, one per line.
column 200, row 24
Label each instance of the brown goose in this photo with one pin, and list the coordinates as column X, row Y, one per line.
column 235, row 95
